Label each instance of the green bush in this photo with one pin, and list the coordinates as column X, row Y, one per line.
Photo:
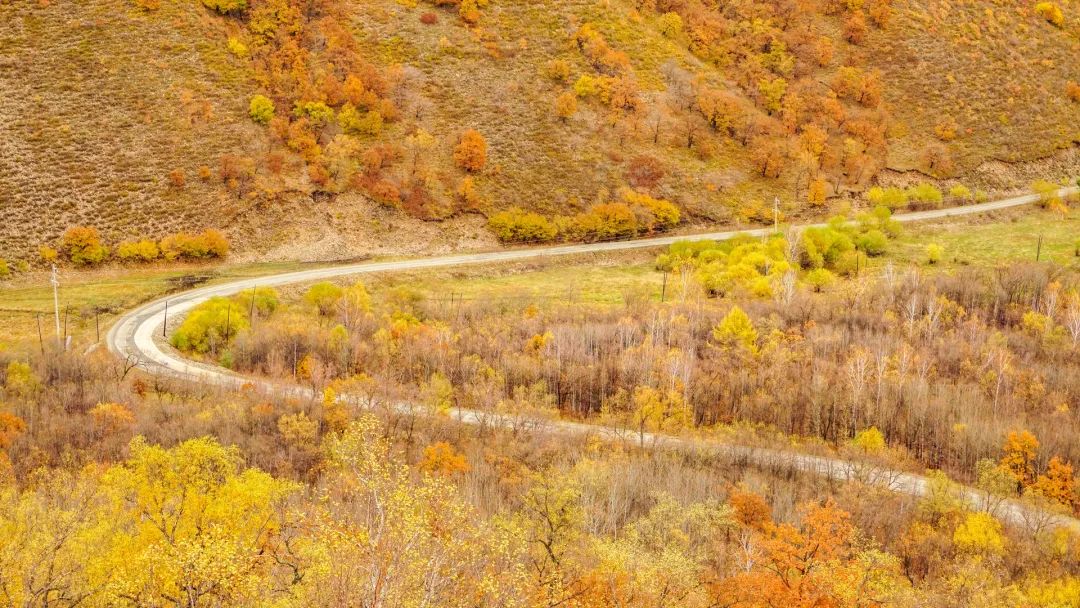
column 926, row 195
column 317, row 112
column 324, row 296
column 819, row 278
column 848, row 264
column 873, row 242
column 517, row 226
column 879, row 219
column 261, row 109
column 825, row 245
column 210, row 326
column 264, row 300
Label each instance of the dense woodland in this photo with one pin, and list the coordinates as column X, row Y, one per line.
column 323, row 504
column 143, row 132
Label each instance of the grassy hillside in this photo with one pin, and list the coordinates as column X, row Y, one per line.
column 100, row 103
column 134, row 116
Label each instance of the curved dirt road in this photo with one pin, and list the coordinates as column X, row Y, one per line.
column 136, row 335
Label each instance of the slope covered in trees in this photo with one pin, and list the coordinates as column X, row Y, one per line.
column 343, row 117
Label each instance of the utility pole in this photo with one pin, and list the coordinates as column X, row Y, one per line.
column 776, row 214
column 165, row 322
column 663, row 290
column 41, row 343
column 1038, row 249
column 55, row 280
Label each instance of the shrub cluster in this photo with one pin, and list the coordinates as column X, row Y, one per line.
column 82, row 246
column 635, row 213
column 211, row 325
column 919, row 196
column 759, row 267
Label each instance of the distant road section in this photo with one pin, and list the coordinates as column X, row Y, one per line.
column 138, row 336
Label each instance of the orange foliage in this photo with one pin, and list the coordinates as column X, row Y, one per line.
column 1058, row 483
column 11, row 426
column 799, row 567
column 441, row 459
column 751, row 510
column 1019, row 456
column 1072, row 91
column 471, row 151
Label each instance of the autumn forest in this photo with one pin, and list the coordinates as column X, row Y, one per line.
column 576, row 304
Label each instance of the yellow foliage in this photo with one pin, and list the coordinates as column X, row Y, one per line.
column 870, row 440
column 1050, row 12
column 438, row 394
column 979, row 533
column 195, row 526
column 298, row 429
column 817, row 192
column 656, row 411
column 112, row 417
column 737, row 329
column 21, row 379
column 566, row 105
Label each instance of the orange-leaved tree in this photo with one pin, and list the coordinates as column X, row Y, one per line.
column 471, row 151
column 818, row 563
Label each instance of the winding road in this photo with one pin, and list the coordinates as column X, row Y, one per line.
column 137, row 336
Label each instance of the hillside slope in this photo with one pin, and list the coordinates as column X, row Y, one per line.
column 135, row 115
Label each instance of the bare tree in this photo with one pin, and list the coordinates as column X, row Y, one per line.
column 858, row 368
column 1072, row 320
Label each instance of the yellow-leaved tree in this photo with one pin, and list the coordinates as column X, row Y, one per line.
column 378, row 535
column 657, row 411
column 660, row 559
column 193, row 527
column 48, row 534
column 736, row 329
